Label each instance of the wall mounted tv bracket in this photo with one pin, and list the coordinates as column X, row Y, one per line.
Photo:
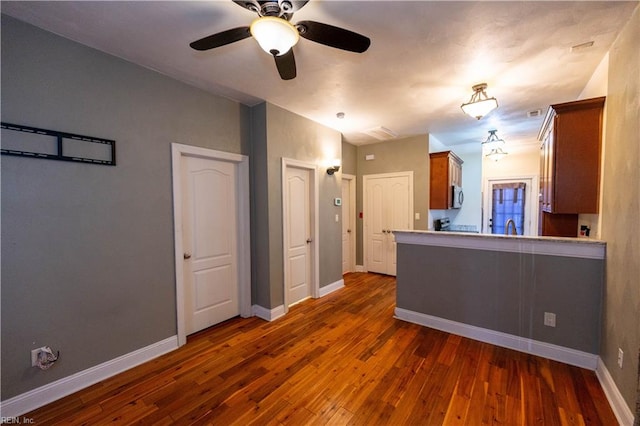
column 32, row 142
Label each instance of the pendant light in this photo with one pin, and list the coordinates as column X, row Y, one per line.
column 493, row 146
column 480, row 104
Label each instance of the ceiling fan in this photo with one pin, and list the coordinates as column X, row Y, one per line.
column 277, row 35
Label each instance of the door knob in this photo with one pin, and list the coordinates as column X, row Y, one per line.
column 187, row 255
column 348, row 231
column 309, row 240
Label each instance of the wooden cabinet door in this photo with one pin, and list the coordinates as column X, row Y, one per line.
column 445, row 170
column 570, row 159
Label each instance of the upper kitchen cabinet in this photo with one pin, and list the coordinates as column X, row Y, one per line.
column 445, row 172
column 571, row 137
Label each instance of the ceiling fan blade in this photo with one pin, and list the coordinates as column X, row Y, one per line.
column 333, row 36
column 220, row 39
column 286, row 65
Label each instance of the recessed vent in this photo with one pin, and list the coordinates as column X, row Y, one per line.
column 535, row 113
column 581, row 46
column 381, row 133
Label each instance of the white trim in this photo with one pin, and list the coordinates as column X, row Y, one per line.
column 618, row 405
column 352, row 217
column 268, row 314
column 551, row 246
column 244, row 232
column 360, row 268
column 365, row 224
column 53, row 391
column 522, row 344
column 331, row 287
column 315, row 227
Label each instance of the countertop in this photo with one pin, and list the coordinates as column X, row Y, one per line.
column 555, row 246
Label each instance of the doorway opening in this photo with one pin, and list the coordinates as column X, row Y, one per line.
column 509, row 205
column 300, row 231
column 184, row 253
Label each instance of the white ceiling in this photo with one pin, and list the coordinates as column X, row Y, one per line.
column 424, row 57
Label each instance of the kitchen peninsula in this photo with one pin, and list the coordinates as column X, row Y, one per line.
column 541, row 295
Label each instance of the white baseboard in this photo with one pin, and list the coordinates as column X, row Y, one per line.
column 53, row 391
column 268, row 314
column 360, row 268
column 331, row 287
column 618, row 405
column 522, row 344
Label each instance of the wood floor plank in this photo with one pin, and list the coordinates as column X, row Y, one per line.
column 339, row 360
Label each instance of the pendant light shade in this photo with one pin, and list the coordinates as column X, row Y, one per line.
column 496, row 154
column 493, row 142
column 275, row 36
column 480, row 104
column 493, row 146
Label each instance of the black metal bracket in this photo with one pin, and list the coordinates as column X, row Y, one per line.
column 108, row 155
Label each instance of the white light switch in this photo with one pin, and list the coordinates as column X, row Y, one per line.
column 337, row 218
column 417, row 216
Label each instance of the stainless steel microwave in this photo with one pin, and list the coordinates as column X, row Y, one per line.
column 458, row 197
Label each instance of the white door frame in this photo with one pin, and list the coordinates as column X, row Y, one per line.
column 315, row 246
column 352, row 218
column 365, row 179
column 531, row 201
column 244, row 236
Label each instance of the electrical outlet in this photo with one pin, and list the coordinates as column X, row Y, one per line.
column 34, row 356
column 620, row 357
column 550, row 319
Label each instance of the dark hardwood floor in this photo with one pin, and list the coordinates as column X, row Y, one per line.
column 339, row 360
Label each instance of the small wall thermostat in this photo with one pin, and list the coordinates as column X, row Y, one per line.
column 337, row 201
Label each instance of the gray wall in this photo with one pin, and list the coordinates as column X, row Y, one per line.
column 620, row 207
column 87, row 250
column 506, row 292
column 260, row 256
column 349, row 159
column 400, row 155
column 291, row 136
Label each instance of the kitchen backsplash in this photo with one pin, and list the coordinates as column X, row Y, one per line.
column 463, row 228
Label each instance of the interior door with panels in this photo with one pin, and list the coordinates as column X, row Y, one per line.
column 298, row 235
column 388, row 206
column 209, row 213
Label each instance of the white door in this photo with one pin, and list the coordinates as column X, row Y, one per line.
column 298, row 234
column 209, row 215
column 399, row 215
column 376, row 229
column 389, row 203
column 348, row 227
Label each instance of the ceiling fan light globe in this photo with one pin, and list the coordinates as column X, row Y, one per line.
column 276, row 36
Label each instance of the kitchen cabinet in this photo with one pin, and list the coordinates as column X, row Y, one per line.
column 445, row 171
column 570, row 137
